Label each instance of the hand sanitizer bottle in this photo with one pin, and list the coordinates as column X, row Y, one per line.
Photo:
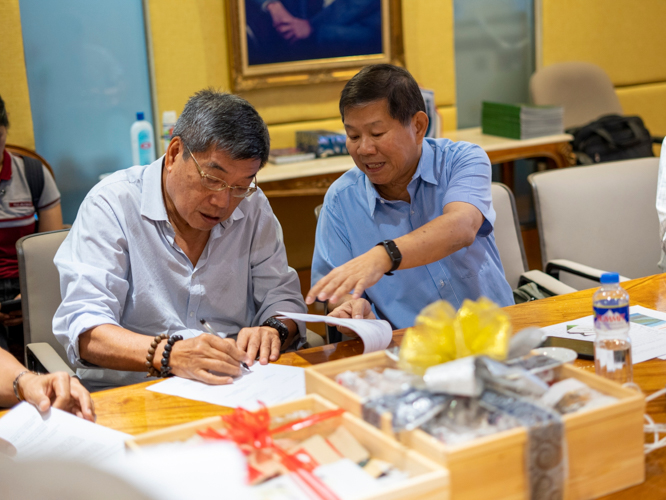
column 143, row 141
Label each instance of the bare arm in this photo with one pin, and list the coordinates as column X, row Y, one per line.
column 114, row 347
column 50, row 219
column 455, row 229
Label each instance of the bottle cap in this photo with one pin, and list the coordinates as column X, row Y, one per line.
column 610, row 278
column 140, row 115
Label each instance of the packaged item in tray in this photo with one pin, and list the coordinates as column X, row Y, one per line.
column 571, row 395
column 374, row 383
column 464, row 419
column 409, row 410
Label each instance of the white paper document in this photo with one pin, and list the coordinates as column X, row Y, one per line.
column 647, row 332
column 176, row 471
column 271, row 384
column 26, row 434
column 376, row 334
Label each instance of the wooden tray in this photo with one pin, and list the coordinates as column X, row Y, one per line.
column 427, row 479
column 605, row 445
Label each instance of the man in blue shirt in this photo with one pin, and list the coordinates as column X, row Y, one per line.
column 418, row 210
column 157, row 249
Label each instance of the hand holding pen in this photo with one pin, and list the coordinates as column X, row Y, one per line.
column 222, row 335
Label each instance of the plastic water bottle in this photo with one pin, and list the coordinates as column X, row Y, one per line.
column 612, row 345
column 143, row 141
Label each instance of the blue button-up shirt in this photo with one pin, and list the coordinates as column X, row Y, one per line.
column 355, row 218
column 120, row 265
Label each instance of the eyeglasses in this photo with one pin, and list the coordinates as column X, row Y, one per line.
column 215, row 184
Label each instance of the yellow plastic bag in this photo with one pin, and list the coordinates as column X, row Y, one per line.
column 441, row 334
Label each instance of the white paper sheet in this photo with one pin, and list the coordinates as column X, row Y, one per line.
column 271, row 384
column 647, row 332
column 29, row 435
column 375, row 333
column 176, row 471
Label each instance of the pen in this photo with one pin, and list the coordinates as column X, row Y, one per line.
column 223, row 335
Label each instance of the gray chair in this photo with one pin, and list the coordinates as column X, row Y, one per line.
column 583, row 89
column 598, row 217
column 509, row 241
column 40, row 298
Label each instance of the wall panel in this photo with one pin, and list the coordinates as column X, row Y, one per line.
column 13, row 79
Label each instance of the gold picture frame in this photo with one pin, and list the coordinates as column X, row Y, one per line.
column 254, row 68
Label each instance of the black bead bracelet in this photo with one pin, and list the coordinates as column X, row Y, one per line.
column 165, row 371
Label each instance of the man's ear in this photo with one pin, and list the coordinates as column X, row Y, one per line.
column 174, row 148
column 420, row 123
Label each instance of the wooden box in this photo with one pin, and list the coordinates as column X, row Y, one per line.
column 605, row 445
column 427, row 479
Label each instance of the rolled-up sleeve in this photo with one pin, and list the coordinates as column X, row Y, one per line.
column 469, row 182
column 275, row 285
column 93, row 263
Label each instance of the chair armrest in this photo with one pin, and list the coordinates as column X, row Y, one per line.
column 554, row 267
column 657, row 140
column 41, row 357
column 548, row 283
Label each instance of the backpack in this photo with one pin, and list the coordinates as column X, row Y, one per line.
column 34, row 174
column 611, row 138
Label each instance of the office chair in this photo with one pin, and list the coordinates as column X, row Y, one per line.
column 21, row 151
column 598, row 217
column 40, row 298
column 509, row 242
column 584, row 90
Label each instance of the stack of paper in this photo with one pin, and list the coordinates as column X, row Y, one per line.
column 521, row 121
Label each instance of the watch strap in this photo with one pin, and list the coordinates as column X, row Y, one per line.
column 393, row 253
column 282, row 329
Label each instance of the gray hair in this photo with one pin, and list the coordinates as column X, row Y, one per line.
column 226, row 121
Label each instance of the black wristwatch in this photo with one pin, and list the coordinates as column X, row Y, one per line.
column 393, row 253
column 283, row 331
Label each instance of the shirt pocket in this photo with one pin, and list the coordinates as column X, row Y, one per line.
column 468, row 261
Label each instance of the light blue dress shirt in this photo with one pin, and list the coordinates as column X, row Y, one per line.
column 120, row 265
column 355, row 218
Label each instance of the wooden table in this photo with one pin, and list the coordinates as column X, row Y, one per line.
column 135, row 410
column 311, row 178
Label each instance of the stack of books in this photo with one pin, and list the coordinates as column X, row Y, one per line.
column 521, row 121
column 288, row 155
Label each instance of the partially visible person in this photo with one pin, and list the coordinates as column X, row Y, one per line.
column 17, row 219
column 418, row 210
column 661, row 204
column 57, row 390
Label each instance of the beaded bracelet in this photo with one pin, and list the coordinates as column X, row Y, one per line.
column 166, row 369
column 152, row 371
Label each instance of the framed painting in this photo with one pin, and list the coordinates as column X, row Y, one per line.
column 295, row 42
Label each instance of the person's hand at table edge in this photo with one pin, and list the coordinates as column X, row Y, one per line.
column 356, row 275
column 57, row 390
column 354, row 309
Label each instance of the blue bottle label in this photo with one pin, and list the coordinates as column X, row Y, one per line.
column 611, row 318
column 145, row 146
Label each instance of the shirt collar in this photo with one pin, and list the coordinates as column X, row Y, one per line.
column 6, row 173
column 152, row 201
column 424, row 170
